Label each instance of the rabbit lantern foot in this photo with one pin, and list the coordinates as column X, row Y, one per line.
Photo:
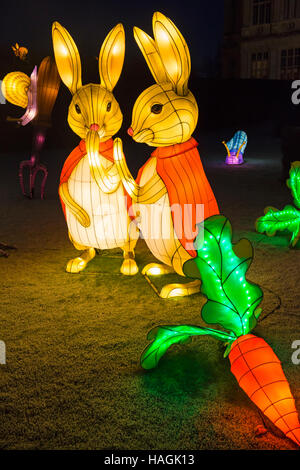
column 171, row 193
column 93, row 200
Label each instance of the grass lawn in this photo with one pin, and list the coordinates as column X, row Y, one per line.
column 73, row 379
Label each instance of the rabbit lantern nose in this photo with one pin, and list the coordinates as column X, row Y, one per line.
column 130, row 131
column 94, row 127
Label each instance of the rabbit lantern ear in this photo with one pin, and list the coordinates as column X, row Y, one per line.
column 150, row 52
column 67, row 57
column 173, row 51
column 167, row 56
column 111, row 57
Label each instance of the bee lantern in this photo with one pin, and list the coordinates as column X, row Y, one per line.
column 20, row 52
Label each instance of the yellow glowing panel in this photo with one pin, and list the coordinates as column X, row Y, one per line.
column 111, row 57
column 154, row 269
column 173, row 51
column 15, row 87
column 151, row 54
column 67, row 57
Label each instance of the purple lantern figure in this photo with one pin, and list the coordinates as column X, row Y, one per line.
column 41, row 94
column 236, row 148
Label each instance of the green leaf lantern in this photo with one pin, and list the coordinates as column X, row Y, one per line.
column 233, row 303
column 276, row 220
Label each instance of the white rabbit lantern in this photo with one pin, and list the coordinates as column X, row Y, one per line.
column 93, row 200
column 172, row 184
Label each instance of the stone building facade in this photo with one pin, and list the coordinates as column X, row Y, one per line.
column 261, row 39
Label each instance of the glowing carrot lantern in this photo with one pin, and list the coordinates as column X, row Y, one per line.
column 171, row 194
column 38, row 95
column 287, row 219
column 259, row 373
column 93, row 200
column 233, row 302
column 236, row 148
column 20, row 52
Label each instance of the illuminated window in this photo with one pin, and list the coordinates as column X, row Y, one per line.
column 260, row 65
column 290, row 64
column 261, row 11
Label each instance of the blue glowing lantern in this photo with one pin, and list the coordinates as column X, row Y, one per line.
column 236, row 148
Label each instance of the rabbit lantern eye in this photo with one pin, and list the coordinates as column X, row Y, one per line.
column 108, row 107
column 156, row 108
column 78, row 110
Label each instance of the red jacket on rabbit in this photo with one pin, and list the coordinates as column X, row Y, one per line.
column 172, row 162
column 105, row 148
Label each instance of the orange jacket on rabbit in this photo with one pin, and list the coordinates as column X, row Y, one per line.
column 180, row 168
column 105, row 148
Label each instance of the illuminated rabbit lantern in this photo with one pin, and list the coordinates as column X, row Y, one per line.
column 93, row 199
column 171, row 194
column 37, row 94
column 235, row 148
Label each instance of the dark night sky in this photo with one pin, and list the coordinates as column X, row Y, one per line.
column 88, row 21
